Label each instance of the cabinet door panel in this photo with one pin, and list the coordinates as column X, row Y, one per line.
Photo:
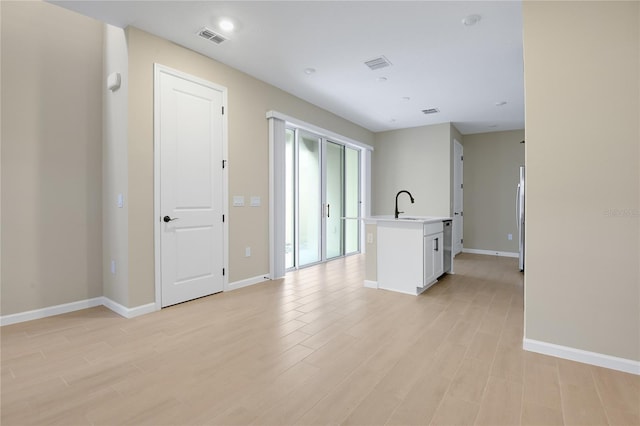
column 429, row 260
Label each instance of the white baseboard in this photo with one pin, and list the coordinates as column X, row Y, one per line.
column 123, row 311
column 247, row 282
column 579, row 355
column 108, row 303
column 491, row 252
column 50, row 311
column 370, row 284
column 77, row 306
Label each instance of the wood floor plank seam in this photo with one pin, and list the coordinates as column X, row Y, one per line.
column 445, row 394
column 600, row 398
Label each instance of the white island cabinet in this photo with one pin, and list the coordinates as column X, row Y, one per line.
column 410, row 253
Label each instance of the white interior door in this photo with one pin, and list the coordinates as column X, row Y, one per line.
column 458, row 191
column 190, row 136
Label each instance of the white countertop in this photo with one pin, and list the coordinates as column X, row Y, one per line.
column 405, row 219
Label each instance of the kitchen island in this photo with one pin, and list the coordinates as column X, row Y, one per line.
column 409, row 253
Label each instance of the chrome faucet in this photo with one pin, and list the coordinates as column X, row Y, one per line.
column 410, row 196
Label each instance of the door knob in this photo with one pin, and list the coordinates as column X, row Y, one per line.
column 169, row 219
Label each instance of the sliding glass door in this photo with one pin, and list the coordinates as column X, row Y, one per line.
column 322, row 189
column 309, row 205
column 334, row 200
column 290, row 199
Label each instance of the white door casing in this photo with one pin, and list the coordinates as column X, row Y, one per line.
column 190, row 187
column 458, row 192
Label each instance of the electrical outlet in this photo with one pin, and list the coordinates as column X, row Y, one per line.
column 509, row 237
column 369, row 238
column 247, row 252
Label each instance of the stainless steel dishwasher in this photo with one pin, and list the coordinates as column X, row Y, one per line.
column 448, row 240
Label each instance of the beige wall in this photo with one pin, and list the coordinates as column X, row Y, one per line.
column 115, row 171
column 491, row 171
column 582, row 281
column 248, row 101
column 51, row 156
column 418, row 160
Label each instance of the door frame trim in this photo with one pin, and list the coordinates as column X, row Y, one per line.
column 157, row 70
column 456, row 168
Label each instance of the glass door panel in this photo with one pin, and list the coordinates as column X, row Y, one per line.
column 309, row 199
column 334, row 209
column 352, row 200
column 290, row 199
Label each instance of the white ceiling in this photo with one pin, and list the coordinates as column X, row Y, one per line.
column 437, row 61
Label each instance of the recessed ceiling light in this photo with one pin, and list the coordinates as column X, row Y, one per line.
column 226, row 25
column 471, row 20
column 382, row 79
column 309, row 71
column 501, row 103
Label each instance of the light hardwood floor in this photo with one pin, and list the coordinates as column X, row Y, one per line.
column 314, row 348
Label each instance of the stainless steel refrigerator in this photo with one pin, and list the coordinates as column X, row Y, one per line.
column 520, row 217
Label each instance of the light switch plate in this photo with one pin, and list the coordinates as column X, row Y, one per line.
column 238, row 200
column 255, row 201
column 120, row 201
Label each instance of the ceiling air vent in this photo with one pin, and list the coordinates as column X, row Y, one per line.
column 430, row 111
column 377, row 63
column 210, row 35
